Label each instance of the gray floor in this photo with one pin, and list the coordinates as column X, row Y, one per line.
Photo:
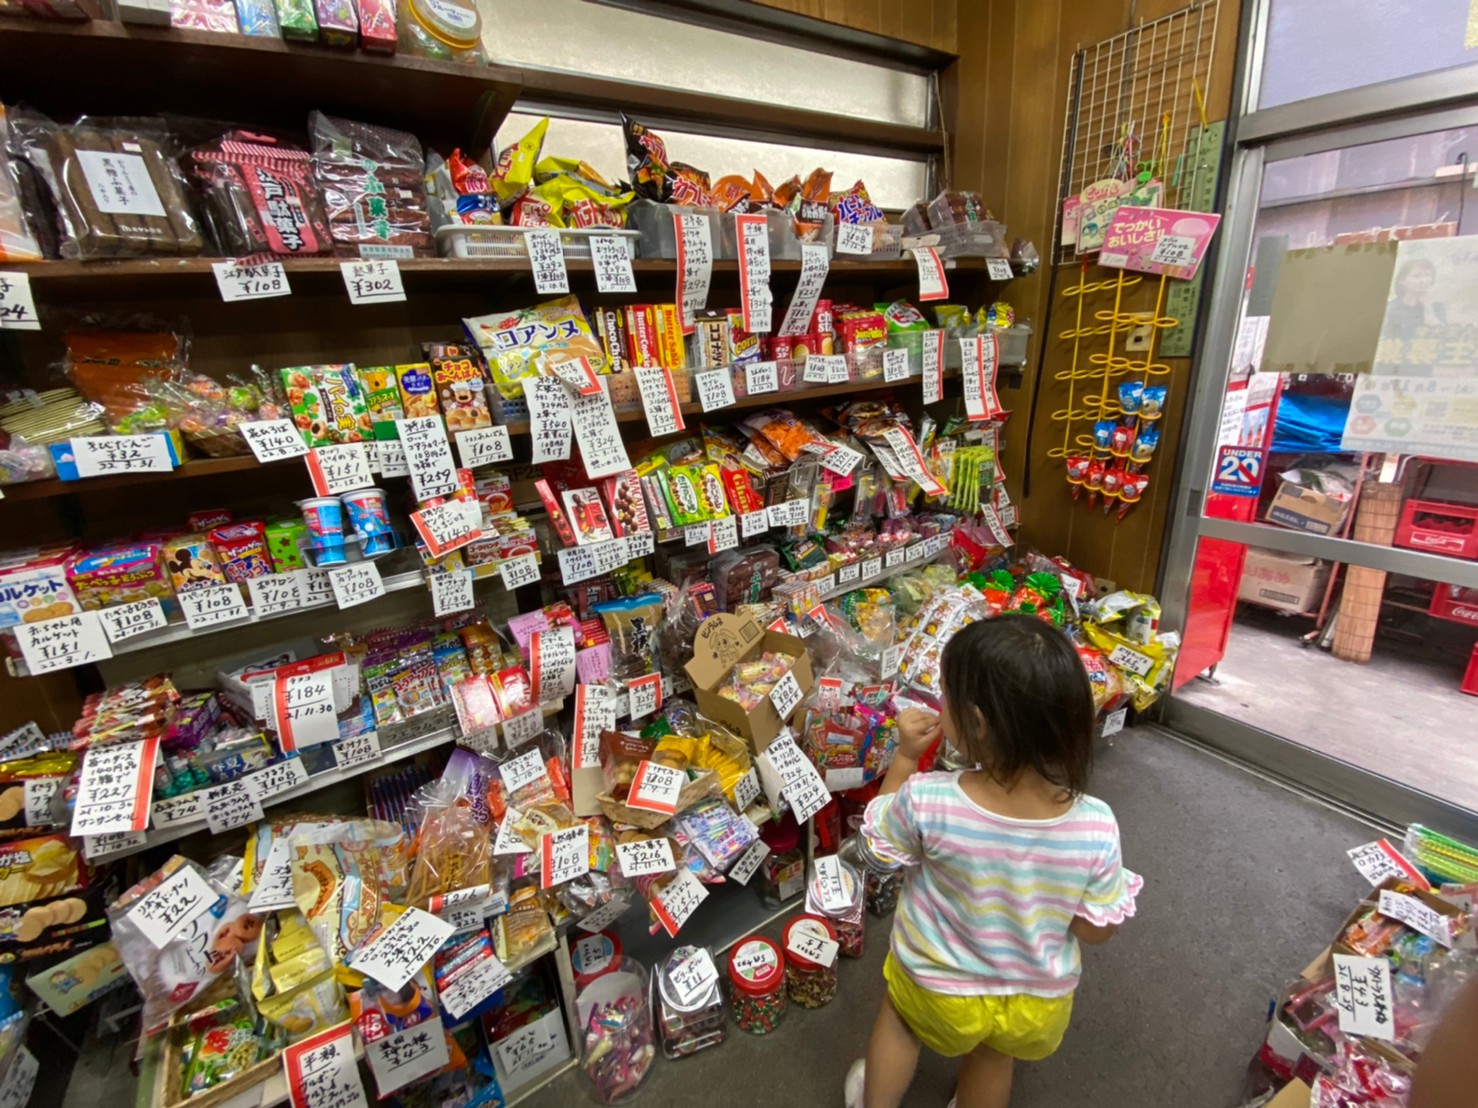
column 1401, row 715
column 1244, row 884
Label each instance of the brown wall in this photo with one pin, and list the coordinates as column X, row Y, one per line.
column 921, row 22
column 1007, row 97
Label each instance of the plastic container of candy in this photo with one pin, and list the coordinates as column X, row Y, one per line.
column 686, row 1024
column 617, row 1047
column 757, row 998
column 849, row 922
column 807, row 983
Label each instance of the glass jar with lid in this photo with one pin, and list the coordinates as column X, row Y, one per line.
column 783, row 872
column 756, row 985
column 446, row 30
column 809, row 982
column 849, row 917
column 689, row 1018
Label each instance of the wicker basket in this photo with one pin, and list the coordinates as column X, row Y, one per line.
column 695, row 790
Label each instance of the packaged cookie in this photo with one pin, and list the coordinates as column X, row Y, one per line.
column 382, row 401
column 259, row 196
column 121, row 575
column 192, row 562
column 417, row 390
column 72, row 984
column 33, row 586
column 461, row 385
column 372, row 179
column 343, row 403
column 40, row 867
column 242, row 549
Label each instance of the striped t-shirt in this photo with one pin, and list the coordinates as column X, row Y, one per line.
column 987, row 899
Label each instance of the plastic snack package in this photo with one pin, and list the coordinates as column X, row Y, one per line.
column 646, row 160
column 513, row 172
column 336, row 886
column 373, row 188
column 223, row 1040
column 453, row 848
column 18, row 205
column 632, row 624
column 307, row 1008
column 260, row 196
column 520, row 344
column 118, row 370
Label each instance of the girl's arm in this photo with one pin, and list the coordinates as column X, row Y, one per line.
column 1092, row 934
column 917, row 731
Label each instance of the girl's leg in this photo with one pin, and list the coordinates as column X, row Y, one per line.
column 892, row 1056
column 985, row 1079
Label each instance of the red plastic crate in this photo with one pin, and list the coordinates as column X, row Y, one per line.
column 1439, row 528
column 1455, row 603
column 1470, row 678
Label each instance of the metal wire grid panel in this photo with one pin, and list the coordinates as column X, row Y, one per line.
column 1121, row 92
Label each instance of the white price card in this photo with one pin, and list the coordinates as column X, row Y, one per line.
column 277, row 778
column 998, row 269
column 872, row 567
column 20, row 1079
column 591, row 954
column 231, row 805
column 250, row 282
column 547, row 260
column 695, row 534
column 127, row 620
column 356, row 583
column 1417, row 915
column 723, row 534
column 840, row 780
column 578, row 373
column 825, row 369
column 607, row 914
column 552, row 662
column 849, row 572
column 473, row 984
column 792, row 513
column 576, row 564
column 41, row 797
column 854, row 238
column 893, row 557
column 892, row 659
column 693, row 977
column 273, row 890
column 322, row 1072
column 113, row 795
column 465, row 909
column 17, row 306
column 448, row 526
column 715, row 388
column 520, row 771
column 814, row 266
column 519, row 572
column 754, row 523
column 760, row 378
column 746, row 790
column 187, row 808
column 932, row 355
column 1380, row 860
column 832, row 883
column 522, row 728
column 895, row 365
column 271, row 440
column 659, row 400
column 1135, row 661
column 101, row 455
column 97, row 847
column 678, row 900
column 303, row 710
column 483, row 446
column 1174, row 250
column 451, row 591
column 564, row 855
column 550, row 417
column 274, row 593
column 207, row 606
column 172, row 905
column 1363, row 997
column 933, row 285
column 429, row 456
column 742, row 870
column 757, row 302
column 808, row 940
column 655, row 788
column 611, row 259
column 646, row 856
column 1113, row 723
column 838, row 459
column 602, row 450
column 356, row 750
column 374, row 281
column 913, row 552
column 786, row 695
column 646, row 695
column 694, row 235
column 387, row 458
column 595, row 711
column 407, row 1056
column 640, row 545
column 339, row 469
column 398, row 951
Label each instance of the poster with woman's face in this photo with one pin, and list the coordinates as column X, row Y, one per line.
column 1431, row 320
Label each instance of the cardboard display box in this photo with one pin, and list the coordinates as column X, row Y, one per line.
column 722, row 642
column 1287, row 582
column 1306, row 509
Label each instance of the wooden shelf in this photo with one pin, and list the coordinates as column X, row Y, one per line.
column 195, row 467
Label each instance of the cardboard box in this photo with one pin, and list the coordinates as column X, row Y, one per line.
column 722, row 642
column 1287, row 582
column 71, row 985
column 1306, row 509
column 1293, row 1095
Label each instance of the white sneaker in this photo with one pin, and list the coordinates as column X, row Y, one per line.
column 852, row 1089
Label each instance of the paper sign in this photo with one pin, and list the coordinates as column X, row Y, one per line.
column 429, row 456
column 356, row 750
column 1417, row 915
column 397, row 952
column 303, row 710
column 760, row 378
column 274, row 888
column 611, row 260
column 451, row 591
column 746, row 790
column 275, row 593
column 525, row 1054
column 814, row 267
column 577, row 563
column 659, row 400
column 464, row 909
column 387, row 458
column 998, row 269
column 41, row 795
column 754, row 523
column 278, row 778
column 656, row 787
column 1362, row 995
column 1113, row 723
column 17, row 307
column 63, row 643
column 207, row 606
column 1379, row 860
column 933, row 285
column 693, row 977
column 549, row 418
column 1135, row 661
column 564, row 855
column 322, row 1072
column 250, row 282
column 723, row 534
column 1158, row 240
column 872, row 568
column 552, row 662
column 174, row 904
column 840, row 780
column 679, row 900
column 809, row 941
column 407, row 1056
column 932, row 353
column 524, row 727
column 578, row 374
column 113, row 795
column 792, row 513
column 832, row 884
column 518, row 772
column 356, row 584
column 645, row 856
column 854, row 238
column 911, row 461
column 231, row 805
column 474, row 984
column 742, row 870
column 372, row 282
column 715, row 389
column 271, row 440
column 101, row 455
column 483, row 446
column 96, row 847
column 895, row 365
column 694, row 266
column 547, row 260
column 825, row 369
column 646, row 695
column 752, row 237
column 339, row 469
column 519, row 572
column 318, row 587
column 508, row 841
column 594, row 712
column 20, row 1079
column 786, row 695
column 607, row 914
column 602, row 449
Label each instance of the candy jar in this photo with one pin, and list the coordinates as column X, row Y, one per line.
column 616, row 1024
column 783, row 872
column 689, row 1018
column 811, row 983
column 882, row 883
column 848, row 921
column 756, row 985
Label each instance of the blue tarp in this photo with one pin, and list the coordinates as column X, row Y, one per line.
column 1309, row 424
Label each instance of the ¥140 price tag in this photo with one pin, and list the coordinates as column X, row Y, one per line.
column 272, row 440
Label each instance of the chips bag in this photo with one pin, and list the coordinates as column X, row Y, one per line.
column 518, row 344
column 514, row 170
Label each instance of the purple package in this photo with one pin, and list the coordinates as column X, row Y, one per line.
column 337, row 23
column 195, row 716
column 523, row 628
column 593, row 664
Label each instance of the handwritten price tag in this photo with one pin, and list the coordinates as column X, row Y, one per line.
column 1379, row 860
column 522, row 728
column 17, row 307
column 895, row 365
column 175, row 903
column 715, row 389
column 607, row 914
column 275, row 593
column 372, row 282
column 754, row 523
column 656, row 788
column 854, row 238
column 271, row 440
column 808, row 940
column 356, row 584
column 833, row 884
column 128, row 620
column 339, row 469
column 693, row 977
column 209, row 606
column 1362, row 994
column 749, row 862
column 101, row 455
column 547, row 260
column 786, row 695
column 356, row 751
column 231, row 805
column 322, row 1072
column 1416, row 915
column 250, row 282
column 646, row 695
column 678, row 901
column 760, row 378
column 451, row 591
column 397, row 952
column 611, row 259
column 519, row 572
column 483, row 446
column 564, row 855
column 644, row 857
column 933, row 285
column 746, row 790
column 998, row 269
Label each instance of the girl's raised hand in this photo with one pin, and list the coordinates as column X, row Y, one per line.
column 917, row 731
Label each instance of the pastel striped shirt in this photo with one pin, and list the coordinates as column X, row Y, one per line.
column 987, row 899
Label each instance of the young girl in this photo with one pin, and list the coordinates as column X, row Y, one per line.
column 1010, row 867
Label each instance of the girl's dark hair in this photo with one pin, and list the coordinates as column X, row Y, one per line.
column 1027, row 682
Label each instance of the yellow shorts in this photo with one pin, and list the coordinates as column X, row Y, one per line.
column 1026, row 1027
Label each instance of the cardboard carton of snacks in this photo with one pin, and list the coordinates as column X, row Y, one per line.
column 726, row 642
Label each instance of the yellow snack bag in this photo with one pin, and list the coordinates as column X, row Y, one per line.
column 514, row 170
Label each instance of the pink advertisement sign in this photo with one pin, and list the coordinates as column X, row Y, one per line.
column 1158, row 240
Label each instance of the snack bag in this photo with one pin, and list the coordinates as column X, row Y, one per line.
column 514, row 169
column 646, row 160
column 518, row 344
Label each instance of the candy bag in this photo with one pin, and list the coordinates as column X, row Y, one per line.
column 646, row 160
column 514, row 169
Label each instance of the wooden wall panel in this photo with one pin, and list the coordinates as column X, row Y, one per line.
column 1006, row 98
column 923, row 22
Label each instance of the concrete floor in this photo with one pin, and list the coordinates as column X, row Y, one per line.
column 1401, row 715
column 1169, row 1012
